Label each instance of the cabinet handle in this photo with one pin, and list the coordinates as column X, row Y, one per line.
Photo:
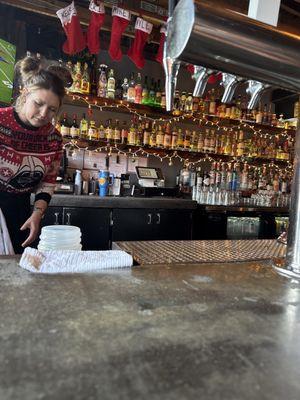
column 68, row 219
column 149, row 219
column 158, row 218
column 56, row 218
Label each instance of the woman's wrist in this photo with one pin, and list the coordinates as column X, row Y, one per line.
column 39, row 210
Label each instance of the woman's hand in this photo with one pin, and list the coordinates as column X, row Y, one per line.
column 33, row 224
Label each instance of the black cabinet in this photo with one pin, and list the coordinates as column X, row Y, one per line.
column 151, row 224
column 94, row 224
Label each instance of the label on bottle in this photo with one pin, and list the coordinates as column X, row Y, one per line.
column 131, row 94
column 138, row 94
column 74, row 132
column 117, row 134
column 65, row 130
column 174, row 140
column 146, row 138
column 167, row 140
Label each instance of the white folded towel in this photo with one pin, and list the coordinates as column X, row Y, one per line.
column 6, row 247
column 72, row 261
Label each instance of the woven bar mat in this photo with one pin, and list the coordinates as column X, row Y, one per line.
column 202, row 251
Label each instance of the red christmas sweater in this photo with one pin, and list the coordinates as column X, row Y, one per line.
column 29, row 157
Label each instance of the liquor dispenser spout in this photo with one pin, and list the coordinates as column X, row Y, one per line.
column 230, row 83
column 199, row 33
column 255, row 89
column 171, row 67
column 201, row 74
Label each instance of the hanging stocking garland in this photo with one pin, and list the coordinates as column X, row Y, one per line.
column 121, row 19
column 96, row 21
column 142, row 31
column 160, row 52
column 75, row 39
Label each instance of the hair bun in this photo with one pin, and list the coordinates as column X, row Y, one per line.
column 27, row 67
column 62, row 73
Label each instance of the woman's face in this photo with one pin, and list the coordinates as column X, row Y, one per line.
column 40, row 107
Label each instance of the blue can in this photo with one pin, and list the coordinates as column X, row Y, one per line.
column 103, row 179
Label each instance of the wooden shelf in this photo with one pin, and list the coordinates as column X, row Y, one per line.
column 184, row 153
column 121, row 106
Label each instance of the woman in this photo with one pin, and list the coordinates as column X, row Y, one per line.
column 30, row 148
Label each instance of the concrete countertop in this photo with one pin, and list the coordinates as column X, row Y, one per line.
column 66, row 200
column 218, row 331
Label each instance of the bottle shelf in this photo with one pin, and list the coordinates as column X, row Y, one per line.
column 161, row 115
column 184, row 153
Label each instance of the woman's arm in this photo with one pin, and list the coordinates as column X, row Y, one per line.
column 33, row 222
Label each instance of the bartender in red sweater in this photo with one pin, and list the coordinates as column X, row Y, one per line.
column 30, row 148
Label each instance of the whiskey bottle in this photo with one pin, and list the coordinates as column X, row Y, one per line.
column 138, row 89
column 111, row 83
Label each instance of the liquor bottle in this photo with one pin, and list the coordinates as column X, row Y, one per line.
column 163, row 100
column 85, row 80
column 145, row 91
column 93, row 77
column 182, row 102
column 132, row 134
column 152, row 90
column 77, row 77
column 180, row 139
column 139, row 134
column 200, row 143
column 131, row 89
column 188, row 107
column 92, row 131
column 117, row 132
column 124, row 133
column 74, row 129
column 71, row 69
column 168, row 137
column 187, row 140
column 174, row 143
column 152, row 140
column 146, row 134
column 206, row 146
column 195, row 106
column 101, row 132
column 212, row 103
column 160, row 137
column 240, row 145
column 119, row 90
column 111, row 83
column 109, row 131
column 233, row 109
column 138, row 89
column 158, row 95
column 65, row 127
column 212, row 141
column 194, row 141
column 102, row 84
column 176, row 108
column 125, row 87
column 259, row 115
column 265, row 115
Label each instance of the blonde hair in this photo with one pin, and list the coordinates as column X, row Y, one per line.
column 36, row 73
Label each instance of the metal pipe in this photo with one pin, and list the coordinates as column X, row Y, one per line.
column 201, row 34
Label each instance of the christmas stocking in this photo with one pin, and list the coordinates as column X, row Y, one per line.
column 160, row 53
column 75, row 39
column 96, row 21
column 142, row 31
column 121, row 19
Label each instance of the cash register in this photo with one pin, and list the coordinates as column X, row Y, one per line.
column 151, row 182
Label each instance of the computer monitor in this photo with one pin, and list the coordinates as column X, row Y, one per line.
column 7, row 64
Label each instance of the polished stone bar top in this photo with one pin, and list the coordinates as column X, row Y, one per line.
column 171, row 332
column 66, row 200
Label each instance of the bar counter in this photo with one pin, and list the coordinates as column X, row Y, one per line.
column 181, row 331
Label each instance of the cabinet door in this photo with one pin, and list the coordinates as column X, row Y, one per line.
column 53, row 216
column 173, row 224
column 134, row 224
column 94, row 224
